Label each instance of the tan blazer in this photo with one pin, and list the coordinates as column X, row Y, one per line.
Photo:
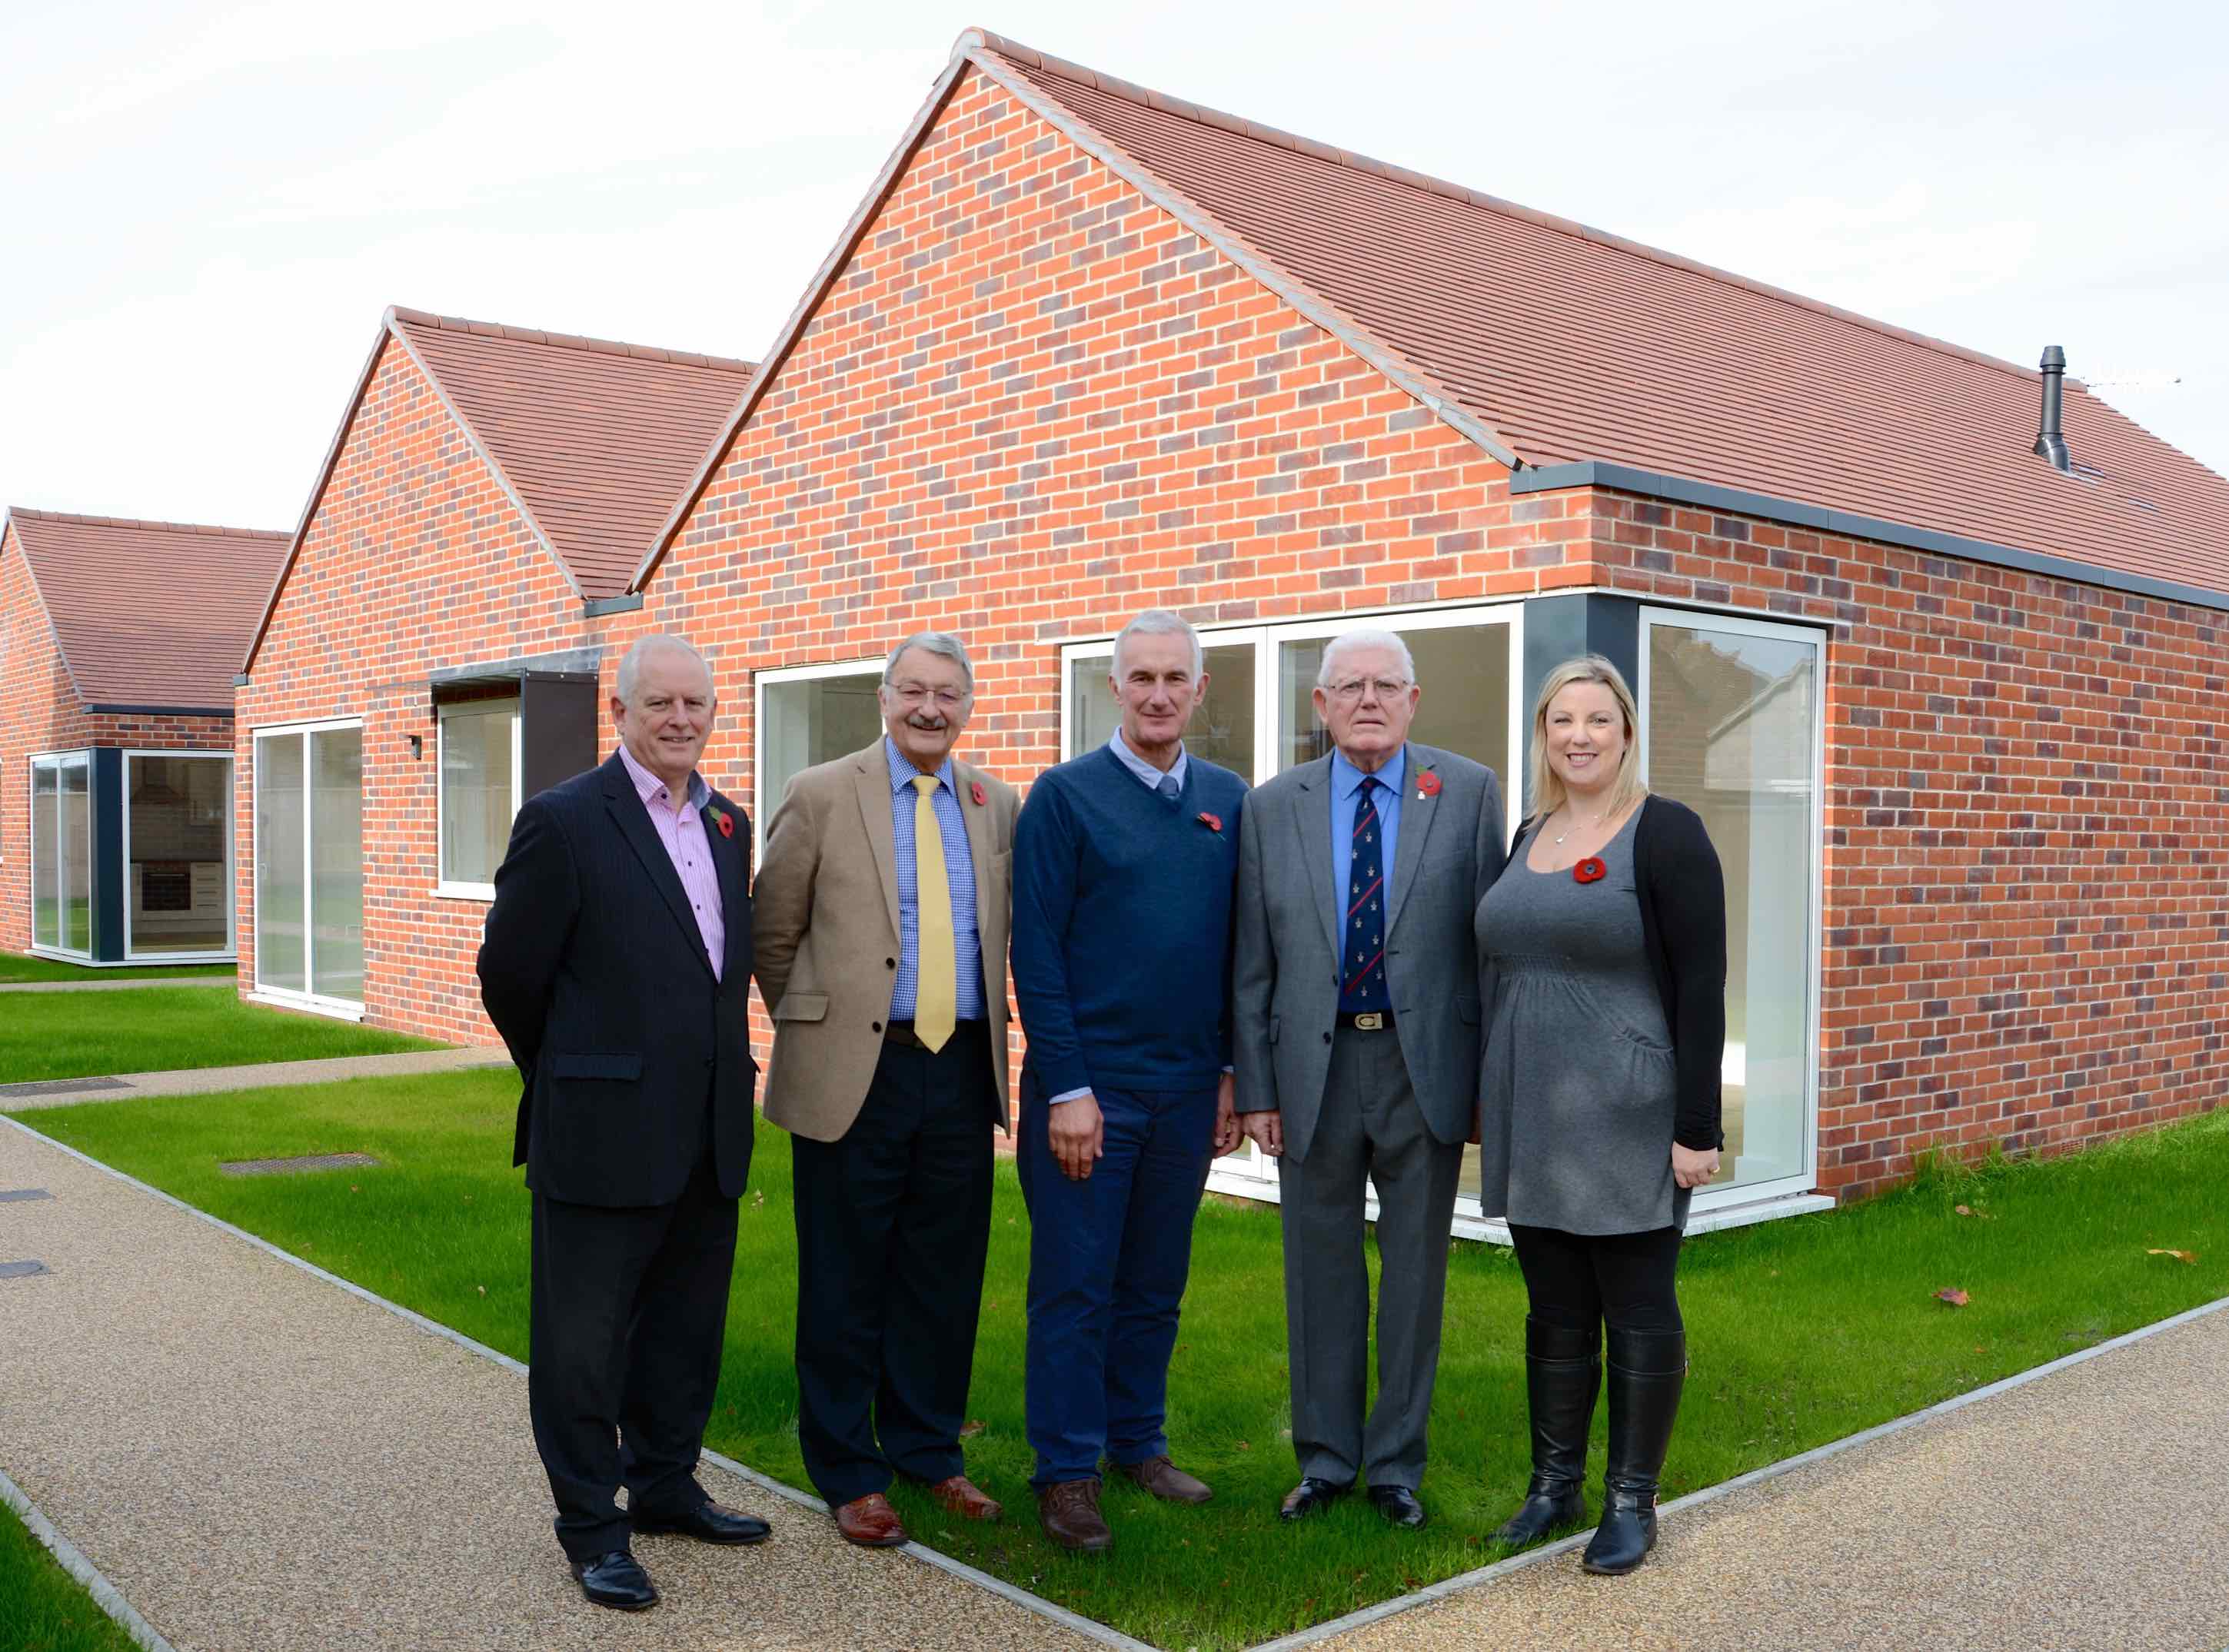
column 825, row 931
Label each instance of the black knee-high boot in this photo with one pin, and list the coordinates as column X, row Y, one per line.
column 1647, row 1370
column 1562, row 1371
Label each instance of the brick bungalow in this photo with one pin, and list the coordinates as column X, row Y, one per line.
column 435, row 646
column 1954, row 714
column 118, row 643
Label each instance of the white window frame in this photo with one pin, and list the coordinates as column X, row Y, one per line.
column 287, row 997
column 230, row 951
column 762, row 806
column 1793, row 1191
column 446, row 887
column 1249, row 1174
column 83, row 753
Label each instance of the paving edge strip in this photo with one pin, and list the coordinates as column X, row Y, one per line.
column 1470, row 1580
column 72, row 1561
column 104, row 1592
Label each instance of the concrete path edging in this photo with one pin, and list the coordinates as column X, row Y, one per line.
column 118, row 986
column 256, row 1075
column 67, row 1556
column 1033, row 1603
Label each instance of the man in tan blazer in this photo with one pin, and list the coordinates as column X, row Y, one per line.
column 881, row 917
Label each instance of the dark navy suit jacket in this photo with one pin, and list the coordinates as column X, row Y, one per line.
column 591, row 967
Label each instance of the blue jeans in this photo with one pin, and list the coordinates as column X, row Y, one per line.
column 1108, row 1258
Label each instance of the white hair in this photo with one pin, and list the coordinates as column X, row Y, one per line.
column 943, row 644
column 1158, row 622
column 1347, row 641
column 630, row 672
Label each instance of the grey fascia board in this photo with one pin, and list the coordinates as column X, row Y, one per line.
column 1598, row 473
column 576, row 661
column 107, row 710
column 595, row 607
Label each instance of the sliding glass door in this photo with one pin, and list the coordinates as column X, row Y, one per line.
column 61, row 852
column 309, row 864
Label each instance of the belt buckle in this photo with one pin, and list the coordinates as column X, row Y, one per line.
column 1370, row 1021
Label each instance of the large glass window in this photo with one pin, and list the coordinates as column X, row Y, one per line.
column 1731, row 717
column 478, row 792
column 309, row 862
column 177, row 832
column 810, row 715
column 61, row 852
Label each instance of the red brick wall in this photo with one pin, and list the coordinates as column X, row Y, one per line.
column 41, row 711
column 416, row 559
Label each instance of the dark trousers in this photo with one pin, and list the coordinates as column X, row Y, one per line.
column 893, row 1223
column 1579, row 1281
column 1109, row 1259
column 630, row 1313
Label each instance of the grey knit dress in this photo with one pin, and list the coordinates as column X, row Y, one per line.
column 1576, row 1089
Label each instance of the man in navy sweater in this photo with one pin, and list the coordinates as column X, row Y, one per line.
column 1125, row 860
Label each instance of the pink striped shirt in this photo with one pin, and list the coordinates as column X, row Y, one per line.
column 685, row 841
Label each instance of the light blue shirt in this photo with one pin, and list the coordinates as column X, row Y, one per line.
column 1346, row 782
column 1145, row 772
column 959, row 876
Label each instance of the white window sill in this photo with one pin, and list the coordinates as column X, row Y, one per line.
column 334, row 1008
column 156, row 960
column 62, row 957
column 463, row 892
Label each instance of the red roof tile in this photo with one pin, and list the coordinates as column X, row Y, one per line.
column 1565, row 344
column 149, row 613
column 595, row 437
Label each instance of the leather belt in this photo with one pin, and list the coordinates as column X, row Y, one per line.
column 901, row 1032
column 1367, row 1020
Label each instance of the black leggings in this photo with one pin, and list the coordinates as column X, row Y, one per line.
column 1577, row 1281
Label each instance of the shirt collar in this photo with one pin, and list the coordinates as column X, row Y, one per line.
column 1145, row 772
column 648, row 785
column 902, row 770
column 1347, row 779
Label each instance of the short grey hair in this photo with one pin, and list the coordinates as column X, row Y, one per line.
column 1347, row 641
column 1158, row 622
column 630, row 672
column 943, row 644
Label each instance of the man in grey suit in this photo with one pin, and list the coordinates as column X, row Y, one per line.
column 1356, row 1016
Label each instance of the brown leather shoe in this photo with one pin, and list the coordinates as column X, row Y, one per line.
column 871, row 1522
column 962, row 1497
column 1069, row 1513
column 1165, row 1480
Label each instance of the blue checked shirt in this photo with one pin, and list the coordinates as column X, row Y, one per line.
column 959, row 873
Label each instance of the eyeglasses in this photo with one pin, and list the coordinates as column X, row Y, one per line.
column 913, row 693
column 1351, row 688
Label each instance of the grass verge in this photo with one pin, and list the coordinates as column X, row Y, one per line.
column 156, row 1029
column 43, row 1608
column 19, row 967
column 1802, row 1331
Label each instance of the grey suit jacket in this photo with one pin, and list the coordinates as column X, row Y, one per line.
column 1285, row 993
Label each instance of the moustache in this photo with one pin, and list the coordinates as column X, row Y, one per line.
column 928, row 724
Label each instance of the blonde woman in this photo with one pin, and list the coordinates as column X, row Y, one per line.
column 1604, row 943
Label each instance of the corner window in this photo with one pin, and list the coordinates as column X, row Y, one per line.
column 61, row 852
column 808, row 716
column 177, row 851
column 478, row 793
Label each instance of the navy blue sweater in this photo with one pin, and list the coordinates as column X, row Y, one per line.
column 1121, row 954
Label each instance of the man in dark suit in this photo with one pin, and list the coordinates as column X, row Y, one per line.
column 615, row 964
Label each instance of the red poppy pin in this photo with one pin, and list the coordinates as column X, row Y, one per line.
column 976, row 791
column 1427, row 785
column 1590, row 870
column 1213, row 823
column 725, row 822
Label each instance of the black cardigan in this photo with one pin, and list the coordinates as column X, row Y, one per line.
column 1683, row 930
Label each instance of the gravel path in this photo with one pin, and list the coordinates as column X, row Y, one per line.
column 260, row 1461
column 2082, row 1510
column 261, row 1075
column 225, row 980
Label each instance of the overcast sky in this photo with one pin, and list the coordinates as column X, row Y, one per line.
column 204, row 209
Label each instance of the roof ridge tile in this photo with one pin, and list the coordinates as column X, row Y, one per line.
column 30, row 514
column 568, row 341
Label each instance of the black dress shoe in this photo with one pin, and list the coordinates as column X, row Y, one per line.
column 707, row 1523
column 616, row 1581
column 1309, row 1497
column 1399, row 1505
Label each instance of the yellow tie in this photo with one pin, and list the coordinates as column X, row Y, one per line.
column 934, row 993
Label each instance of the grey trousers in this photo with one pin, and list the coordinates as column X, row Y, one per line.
column 1370, row 1131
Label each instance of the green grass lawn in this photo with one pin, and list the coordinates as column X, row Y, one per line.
column 1802, row 1331
column 20, row 966
column 43, row 1608
column 154, row 1029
